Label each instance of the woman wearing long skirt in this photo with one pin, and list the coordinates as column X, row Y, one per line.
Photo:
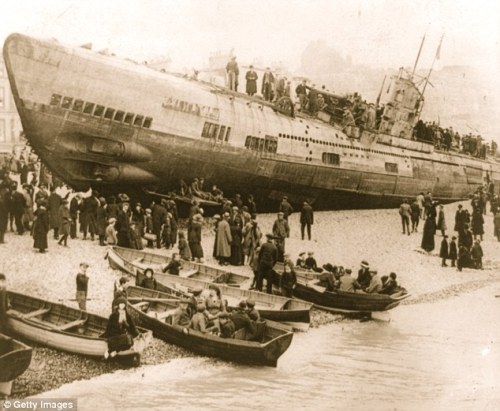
column 428, row 236
column 41, row 228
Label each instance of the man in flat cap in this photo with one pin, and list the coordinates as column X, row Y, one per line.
column 281, row 231
column 285, row 207
column 268, row 255
column 82, row 282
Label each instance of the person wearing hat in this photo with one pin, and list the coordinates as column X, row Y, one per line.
column 233, row 72
column 251, row 311
column 159, row 217
column 301, row 261
column 241, row 320
column 223, row 240
column 4, row 302
column 267, row 258
column 53, row 205
column 405, row 213
column 65, row 219
column 88, row 216
column 348, row 283
column 441, row 222
column 453, row 251
column 306, row 219
column 477, row 254
column 199, row 321
column 120, row 290
column 251, row 78
column 444, row 251
column 41, row 227
column 82, row 286
column 194, row 238
column 227, row 327
column 311, row 263
column 74, row 209
column 138, row 217
column 364, row 276
column 17, row 206
column 4, row 210
column 286, row 208
column 122, row 226
column 281, row 231
column 390, row 286
column 460, row 219
column 149, row 281
column 375, row 285
column 288, row 279
column 101, row 220
column 182, row 315
column 120, row 329
column 267, row 85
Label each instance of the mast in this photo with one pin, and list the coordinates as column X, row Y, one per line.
column 380, row 93
column 418, row 56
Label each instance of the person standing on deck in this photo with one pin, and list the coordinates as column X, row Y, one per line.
column 82, row 283
column 233, row 72
column 251, row 78
column 267, row 85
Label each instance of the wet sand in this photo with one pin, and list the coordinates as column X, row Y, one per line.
column 339, row 237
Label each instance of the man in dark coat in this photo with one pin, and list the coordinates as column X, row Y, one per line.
column 306, row 219
column 233, row 72
column 477, row 255
column 288, row 278
column 267, row 258
column 286, row 208
column 444, row 251
column 41, row 227
column 54, row 204
column 4, row 210
column 364, row 276
column 453, row 254
column 74, row 208
column 122, row 226
column 251, row 78
column 101, row 220
column 459, row 219
column 18, row 204
column 159, row 214
column 281, row 232
column 267, row 85
column 252, row 207
column 415, row 216
column 4, row 302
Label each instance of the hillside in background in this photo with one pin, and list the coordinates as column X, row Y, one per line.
column 458, row 96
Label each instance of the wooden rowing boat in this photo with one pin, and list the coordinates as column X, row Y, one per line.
column 154, row 315
column 15, row 358
column 129, row 261
column 342, row 301
column 293, row 312
column 65, row 328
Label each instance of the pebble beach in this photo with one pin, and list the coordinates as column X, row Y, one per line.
column 339, row 237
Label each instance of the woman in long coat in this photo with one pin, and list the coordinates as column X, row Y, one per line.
column 224, row 239
column 101, row 220
column 194, row 238
column 477, row 223
column 41, row 228
column 429, row 230
column 441, row 223
column 236, row 243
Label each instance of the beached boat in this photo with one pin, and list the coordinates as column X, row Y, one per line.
column 65, row 328
column 15, row 358
column 153, row 308
column 294, row 312
column 342, row 301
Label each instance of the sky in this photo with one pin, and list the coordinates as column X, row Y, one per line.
column 376, row 33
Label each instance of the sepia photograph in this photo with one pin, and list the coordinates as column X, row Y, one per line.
column 229, row 205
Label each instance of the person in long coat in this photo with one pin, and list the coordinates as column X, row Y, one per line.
column 428, row 235
column 41, row 228
column 237, row 239
column 122, row 226
column 460, row 217
column 251, row 78
column 224, row 240
column 194, row 238
column 306, row 219
column 453, row 254
column 477, row 223
column 159, row 213
column 101, row 221
column 138, row 217
column 251, row 239
column 54, row 204
column 119, row 323
column 444, row 251
column 4, row 210
column 74, row 208
column 65, row 219
column 441, row 223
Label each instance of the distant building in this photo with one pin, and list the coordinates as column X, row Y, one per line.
column 10, row 124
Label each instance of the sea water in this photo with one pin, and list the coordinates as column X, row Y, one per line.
column 435, row 356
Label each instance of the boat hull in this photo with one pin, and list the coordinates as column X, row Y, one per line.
column 15, row 358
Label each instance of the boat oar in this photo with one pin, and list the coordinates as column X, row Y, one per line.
column 153, row 300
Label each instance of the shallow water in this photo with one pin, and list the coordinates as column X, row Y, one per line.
column 439, row 356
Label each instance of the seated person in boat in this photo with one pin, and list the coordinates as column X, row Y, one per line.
column 195, row 299
column 241, row 319
column 252, row 312
column 120, row 291
column 364, row 276
column 288, row 278
column 217, row 194
column 311, row 263
column 227, row 327
column 327, row 277
column 120, row 329
column 149, row 281
column 348, row 283
column 182, row 315
column 301, row 261
column 199, row 321
column 4, row 302
column 375, row 285
column 390, row 286
column 174, row 266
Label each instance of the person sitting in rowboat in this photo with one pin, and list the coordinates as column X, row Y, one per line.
column 348, row 283
column 288, row 279
column 301, row 261
column 199, row 321
column 251, row 311
column 241, row 319
column 390, row 285
column 120, row 330
column 174, row 266
column 311, row 263
column 227, row 326
column 375, row 285
column 120, row 291
column 149, row 281
column 182, row 316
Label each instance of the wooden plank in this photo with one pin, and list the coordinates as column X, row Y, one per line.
column 72, row 324
column 36, row 313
